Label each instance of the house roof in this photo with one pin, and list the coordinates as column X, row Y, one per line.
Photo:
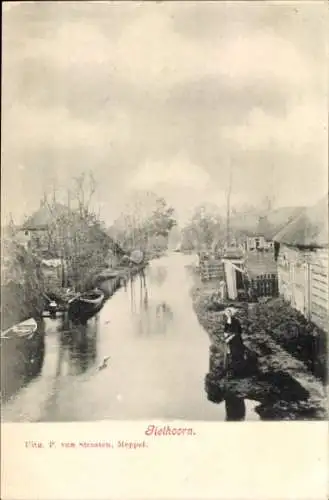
column 249, row 224
column 44, row 216
column 233, row 253
column 309, row 229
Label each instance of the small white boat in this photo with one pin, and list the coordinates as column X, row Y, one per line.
column 24, row 329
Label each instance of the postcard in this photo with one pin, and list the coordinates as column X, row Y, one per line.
column 164, row 291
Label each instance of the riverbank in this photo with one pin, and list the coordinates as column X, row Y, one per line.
column 74, row 384
column 110, row 280
column 22, row 358
column 274, row 375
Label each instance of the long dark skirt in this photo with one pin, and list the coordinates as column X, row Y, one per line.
column 237, row 356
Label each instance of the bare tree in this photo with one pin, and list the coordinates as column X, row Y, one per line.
column 83, row 191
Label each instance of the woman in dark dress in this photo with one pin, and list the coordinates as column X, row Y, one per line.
column 233, row 336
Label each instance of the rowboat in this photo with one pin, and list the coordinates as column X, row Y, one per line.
column 25, row 329
column 22, row 354
column 85, row 305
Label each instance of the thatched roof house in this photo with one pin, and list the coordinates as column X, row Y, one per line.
column 309, row 229
column 265, row 224
column 301, row 250
column 44, row 216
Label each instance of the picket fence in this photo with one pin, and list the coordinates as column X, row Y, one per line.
column 264, row 285
column 211, row 270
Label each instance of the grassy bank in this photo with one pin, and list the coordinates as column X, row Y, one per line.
column 21, row 285
column 295, row 334
column 275, row 373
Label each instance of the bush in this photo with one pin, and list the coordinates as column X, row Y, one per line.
column 22, row 286
column 294, row 333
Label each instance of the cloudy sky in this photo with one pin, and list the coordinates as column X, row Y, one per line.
column 165, row 96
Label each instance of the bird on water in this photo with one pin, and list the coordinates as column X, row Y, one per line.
column 104, row 364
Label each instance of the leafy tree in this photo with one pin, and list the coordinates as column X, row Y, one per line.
column 162, row 219
column 147, row 219
column 204, row 228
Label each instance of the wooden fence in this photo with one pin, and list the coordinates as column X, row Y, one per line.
column 211, row 270
column 264, row 285
column 319, row 286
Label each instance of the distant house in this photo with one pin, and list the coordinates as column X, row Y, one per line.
column 35, row 230
column 301, row 249
column 257, row 228
column 265, row 223
column 259, row 242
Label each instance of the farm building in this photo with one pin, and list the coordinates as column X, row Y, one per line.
column 266, row 224
column 34, row 233
column 258, row 242
column 37, row 234
column 233, row 260
column 301, row 249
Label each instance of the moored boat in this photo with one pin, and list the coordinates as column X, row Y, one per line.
column 137, row 257
column 85, row 305
column 25, row 329
column 22, row 353
column 57, row 301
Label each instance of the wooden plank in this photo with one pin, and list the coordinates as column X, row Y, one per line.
column 320, row 275
column 319, row 309
column 322, row 288
column 320, row 322
column 319, row 293
column 321, row 301
column 320, row 281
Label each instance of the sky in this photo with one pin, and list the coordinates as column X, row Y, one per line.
column 165, row 97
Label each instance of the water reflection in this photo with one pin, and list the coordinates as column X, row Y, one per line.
column 157, row 275
column 149, row 323
column 222, row 390
column 152, row 314
column 80, row 344
column 235, row 408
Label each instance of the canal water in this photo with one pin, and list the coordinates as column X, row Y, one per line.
column 145, row 356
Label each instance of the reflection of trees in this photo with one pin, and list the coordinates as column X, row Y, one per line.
column 164, row 315
column 157, row 275
column 143, row 321
column 85, row 348
column 81, row 345
column 153, row 317
column 132, row 295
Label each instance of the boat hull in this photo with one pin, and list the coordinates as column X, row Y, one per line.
column 83, row 308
